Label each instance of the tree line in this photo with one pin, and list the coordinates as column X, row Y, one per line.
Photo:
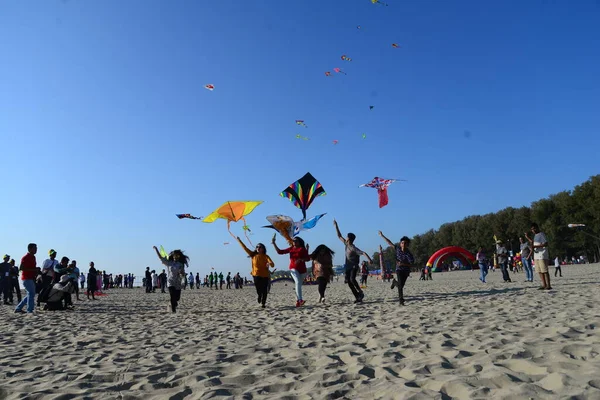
column 553, row 214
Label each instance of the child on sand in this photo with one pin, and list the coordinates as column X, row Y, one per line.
column 175, row 264
column 404, row 262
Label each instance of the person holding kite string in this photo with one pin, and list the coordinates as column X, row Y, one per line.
column 298, row 258
column 175, row 263
column 260, row 269
column 353, row 254
column 404, row 262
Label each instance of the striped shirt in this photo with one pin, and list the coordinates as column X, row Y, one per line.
column 403, row 257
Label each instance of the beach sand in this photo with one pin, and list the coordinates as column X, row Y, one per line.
column 455, row 339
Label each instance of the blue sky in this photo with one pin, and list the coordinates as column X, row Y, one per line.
column 108, row 132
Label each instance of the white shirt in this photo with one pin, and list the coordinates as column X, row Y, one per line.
column 48, row 267
column 540, row 253
column 556, row 262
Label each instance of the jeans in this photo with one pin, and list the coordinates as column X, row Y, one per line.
column 483, row 272
column 528, row 269
column 298, row 279
column 504, row 268
column 557, row 270
column 351, row 280
column 29, row 285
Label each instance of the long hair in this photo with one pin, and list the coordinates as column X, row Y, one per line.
column 255, row 252
column 185, row 259
column 300, row 241
column 318, row 250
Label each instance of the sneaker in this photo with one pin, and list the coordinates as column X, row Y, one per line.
column 263, row 306
column 323, row 300
column 361, row 296
column 19, row 311
column 297, row 303
column 394, row 284
column 320, row 299
column 302, row 302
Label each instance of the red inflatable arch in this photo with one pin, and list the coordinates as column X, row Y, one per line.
column 464, row 256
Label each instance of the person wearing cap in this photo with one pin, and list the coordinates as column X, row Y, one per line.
column 5, row 284
column 503, row 260
column 14, row 281
column 48, row 271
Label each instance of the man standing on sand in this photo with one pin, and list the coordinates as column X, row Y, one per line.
column 503, row 260
column 5, row 283
column 228, row 280
column 353, row 254
column 28, row 273
column 541, row 256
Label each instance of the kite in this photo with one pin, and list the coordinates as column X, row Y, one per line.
column 209, row 87
column 335, row 142
column 299, row 136
column 339, row 71
column 381, row 185
column 233, row 211
column 188, row 216
column 303, row 192
column 327, row 73
column 395, row 45
column 225, row 243
column 371, row 107
column 358, row 27
column 346, row 58
column 288, row 228
column 364, row 135
column 163, row 253
column 301, row 123
column 379, row 2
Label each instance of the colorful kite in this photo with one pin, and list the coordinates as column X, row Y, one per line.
column 327, row 73
column 300, row 122
column 339, row 71
column 395, row 45
column 381, row 185
column 346, row 58
column 335, row 141
column 303, row 192
column 233, row 211
column 299, row 136
column 379, row 2
column 288, row 228
column 209, row 87
column 188, row 216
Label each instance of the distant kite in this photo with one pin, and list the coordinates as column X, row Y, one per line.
column 301, row 123
column 327, row 73
column 395, row 45
column 364, row 135
column 346, row 58
column 335, row 142
column 188, row 216
column 339, row 71
column 209, row 87
column 371, row 107
column 379, row 2
column 381, row 185
column 299, row 136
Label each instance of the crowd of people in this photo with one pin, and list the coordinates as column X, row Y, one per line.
column 55, row 281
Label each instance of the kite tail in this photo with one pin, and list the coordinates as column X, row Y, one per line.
column 229, row 230
column 246, row 232
column 383, row 197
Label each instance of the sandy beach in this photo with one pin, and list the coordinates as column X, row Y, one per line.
column 455, row 339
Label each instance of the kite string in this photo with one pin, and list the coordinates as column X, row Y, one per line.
column 246, row 232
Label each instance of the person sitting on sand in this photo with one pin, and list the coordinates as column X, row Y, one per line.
column 322, row 268
column 175, row 264
column 260, row 269
column 298, row 257
column 404, row 262
column 353, row 254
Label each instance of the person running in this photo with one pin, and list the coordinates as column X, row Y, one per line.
column 28, row 272
column 92, row 281
column 298, row 257
column 353, row 254
column 404, row 262
column 322, row 268
column 175, row 264
column 482, row 262
column 557, row 269
column 526, row 259
column 541, row 257
column 260, row 269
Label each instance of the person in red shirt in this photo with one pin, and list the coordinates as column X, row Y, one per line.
column 28, row 274
column 298, row 258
